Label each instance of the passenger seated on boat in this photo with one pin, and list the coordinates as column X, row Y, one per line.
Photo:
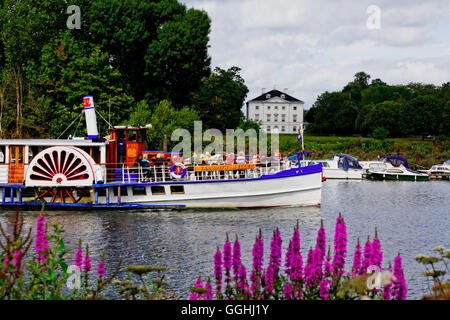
column 240, row 158
column 195, row 158
column 230, row 158
column 255, row 158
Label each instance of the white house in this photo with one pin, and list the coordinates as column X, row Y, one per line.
column 277, row 111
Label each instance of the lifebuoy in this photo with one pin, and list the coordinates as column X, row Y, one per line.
column 177, row 170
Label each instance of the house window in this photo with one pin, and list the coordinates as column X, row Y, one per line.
column 283, row 118
column 257, row 117
column 158, row 190
column 294, row 129
column 294, row 118
column 268, row 128
column 295, row 107
column 283, row 108
column 139, row 191
column 268, row 107
column 268, row 117
column 283, row 129
column 275, row 118
column 268, row 96
column 256, row 107
column 177, row 189
column 283, row 96
column 276, row 107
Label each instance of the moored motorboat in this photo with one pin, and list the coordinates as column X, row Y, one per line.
column 439, row 171
column 394, row 168
column 341, row 166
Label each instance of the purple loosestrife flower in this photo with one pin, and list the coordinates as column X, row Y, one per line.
column 227, row 260
column 328, row 266
column 321, row 239
column 79, row 255
column 87, row 260
column 288, row 259
column 269, row 278
column 400, row 286
column 377, row 254
column 324, row 290
column 296, row 239
column 317, row 264
column 18, row 261
column 275, row 252
column 340, row 246
column 297, row 267
column 242, row 278
column 208, row 294
column 387, row 288
column 101, row 267
column 309, row 269
column 195, row 295
column 236, row 258
column 356, row 260
column 218, row 271
column 367, row 256
column 258, row 260
column 41, row 242
column 288, row 295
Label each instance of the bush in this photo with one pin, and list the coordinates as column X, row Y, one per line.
column 379, row 133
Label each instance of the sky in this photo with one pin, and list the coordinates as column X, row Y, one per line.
column 313, row 46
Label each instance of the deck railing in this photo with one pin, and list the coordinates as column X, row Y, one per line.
column 121, row 173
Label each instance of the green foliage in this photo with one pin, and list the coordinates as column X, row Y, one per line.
column 141, row 116
column 379, row 133
column 422, row 115
column 126, row 51
column 220, row 98
column 246, row 124
column 414, row 109
column 436, row 268
column 165, row 119
column 43, row 275
column 145, row 288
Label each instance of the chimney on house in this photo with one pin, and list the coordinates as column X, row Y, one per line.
column 263, row 90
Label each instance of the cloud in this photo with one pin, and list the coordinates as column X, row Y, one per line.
column 311, row 46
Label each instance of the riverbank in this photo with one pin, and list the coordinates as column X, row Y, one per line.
column 420, row 153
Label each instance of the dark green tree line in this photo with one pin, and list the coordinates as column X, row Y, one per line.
column 413, row 109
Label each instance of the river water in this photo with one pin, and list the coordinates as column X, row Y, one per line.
column 411, row 217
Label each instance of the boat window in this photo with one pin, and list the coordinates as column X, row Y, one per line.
column 123, row 191
column 101, row 192
column 139, row 191
column 177, row 189
column 158, row 190
column 393, row 170
column 325, row 164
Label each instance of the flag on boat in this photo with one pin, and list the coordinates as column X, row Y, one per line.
column 299, row 137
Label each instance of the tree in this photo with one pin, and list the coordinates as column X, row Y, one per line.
column 159, row 47
column 220, row 99
column 165, row 119
column 333, row 112
column 422, row 115
column 71, row 69
column 382, row 115
column 141, row 116
column 362, row 78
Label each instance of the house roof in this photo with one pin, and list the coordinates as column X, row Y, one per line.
column 275, row 93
